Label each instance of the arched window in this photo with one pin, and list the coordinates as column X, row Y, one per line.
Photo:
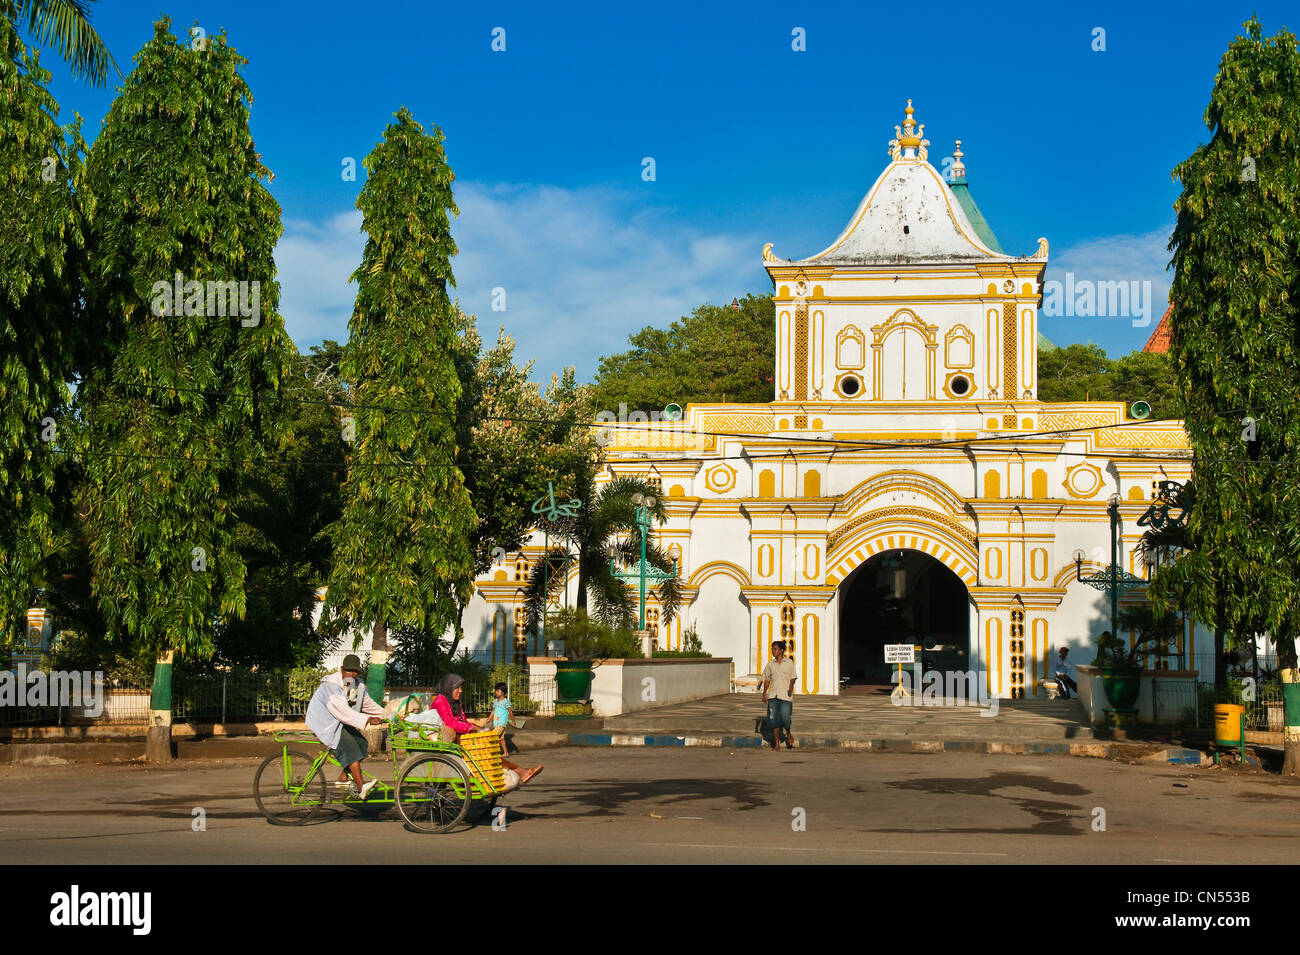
column 812, row 484
column 992, row 484
column 1038, row 480
column 766, row 484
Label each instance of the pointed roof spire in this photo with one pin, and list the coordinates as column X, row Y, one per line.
column 958, row 167
column 908, row 142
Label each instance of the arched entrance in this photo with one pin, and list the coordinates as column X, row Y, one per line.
column 901, row 596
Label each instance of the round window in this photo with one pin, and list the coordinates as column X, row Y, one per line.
column 850, row 385
column 959, row 385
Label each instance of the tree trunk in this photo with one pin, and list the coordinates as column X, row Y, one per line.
column 460, row 630
column 1286, row 661
column 158, row 739
column 1291, row 718
column 376, row 672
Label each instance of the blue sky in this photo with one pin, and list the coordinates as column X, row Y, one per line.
column 752, row 141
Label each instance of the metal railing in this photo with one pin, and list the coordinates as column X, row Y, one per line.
column 1174, row 703
column 541, row 688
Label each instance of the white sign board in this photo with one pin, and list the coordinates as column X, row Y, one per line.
column 900, row 653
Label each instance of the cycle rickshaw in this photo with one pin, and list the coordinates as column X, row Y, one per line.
column 434, row 783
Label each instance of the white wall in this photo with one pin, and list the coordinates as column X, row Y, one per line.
column 722, row 621
column 619, row 685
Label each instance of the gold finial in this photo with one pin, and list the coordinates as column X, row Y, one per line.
column 958, row 167
column 908, row 142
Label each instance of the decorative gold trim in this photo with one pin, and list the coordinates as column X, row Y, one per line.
column 959, row 331
column 848, row 333
column 1073, row 484
column 720, row 479
column 834, row 539
column 801, row 351
column 1010, row 347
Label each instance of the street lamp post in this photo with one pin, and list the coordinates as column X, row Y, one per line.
column 644, row 503
column 1113, row 579
column 552, row 513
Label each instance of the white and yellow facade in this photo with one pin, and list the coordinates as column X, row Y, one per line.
column 904, row 418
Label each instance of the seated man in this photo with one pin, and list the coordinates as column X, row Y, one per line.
column 1065, row 674
column 338, row 710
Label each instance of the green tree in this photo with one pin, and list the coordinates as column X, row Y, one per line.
column 65, row 25
column 1149, row 377
column 1074, row 373
column 603, row 530
column 285, row 513
column 41, row 261
column 1084, row 373
column 510, row 441
column 1236, row 311
column 402, row 550
column 180, row 403
column 715, row 354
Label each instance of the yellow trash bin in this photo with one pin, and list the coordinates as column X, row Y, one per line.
column 1228, row 721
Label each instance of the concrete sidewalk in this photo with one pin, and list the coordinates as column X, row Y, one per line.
column 867, row 717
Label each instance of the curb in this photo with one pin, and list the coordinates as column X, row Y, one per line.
column 189, row 748
column 1096, row 750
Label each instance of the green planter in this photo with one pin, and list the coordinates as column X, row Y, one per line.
column 573, row 681
column 1122, row 685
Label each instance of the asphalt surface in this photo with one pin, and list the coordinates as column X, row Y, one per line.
column 686, row 806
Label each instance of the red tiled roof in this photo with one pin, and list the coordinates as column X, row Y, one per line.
column 1159, row 340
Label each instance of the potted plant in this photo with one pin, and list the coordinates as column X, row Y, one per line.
column 1120, row 664
column 586, row 641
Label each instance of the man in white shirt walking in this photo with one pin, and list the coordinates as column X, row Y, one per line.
column 779, row 677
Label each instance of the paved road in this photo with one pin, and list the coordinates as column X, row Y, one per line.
column 689, row 805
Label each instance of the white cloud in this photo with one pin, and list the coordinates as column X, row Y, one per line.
column 581, row 268
column 313, row 264
column 1141, row 257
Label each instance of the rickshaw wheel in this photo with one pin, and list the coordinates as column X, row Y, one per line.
column 433, row 792
column 274, row 799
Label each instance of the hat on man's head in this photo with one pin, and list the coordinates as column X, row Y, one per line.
column 351, row 662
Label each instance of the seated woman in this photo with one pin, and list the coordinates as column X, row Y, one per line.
column 419, row 709
column 447, row 704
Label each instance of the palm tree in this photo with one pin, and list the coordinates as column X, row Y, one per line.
column 65, row 25
column 604, row 530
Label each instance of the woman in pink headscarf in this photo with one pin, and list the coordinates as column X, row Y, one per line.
column 451, row 711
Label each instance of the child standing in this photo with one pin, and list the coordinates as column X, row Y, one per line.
column 502, row 715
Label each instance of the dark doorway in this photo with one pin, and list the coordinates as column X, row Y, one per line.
column 901, row 596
